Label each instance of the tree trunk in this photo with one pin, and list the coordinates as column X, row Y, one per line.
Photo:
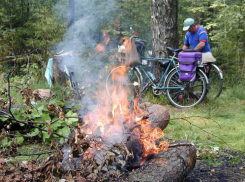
column 164, row 28
column 71, row 13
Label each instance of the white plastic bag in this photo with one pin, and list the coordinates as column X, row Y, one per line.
column 207, row 57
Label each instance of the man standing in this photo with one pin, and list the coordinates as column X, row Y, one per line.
column 196, row 38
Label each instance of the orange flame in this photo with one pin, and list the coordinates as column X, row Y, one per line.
column 101, row 46
column 112, row 117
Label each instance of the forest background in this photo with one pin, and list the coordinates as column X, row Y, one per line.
column 28, row 25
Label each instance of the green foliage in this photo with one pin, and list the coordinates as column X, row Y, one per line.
column 41, row 118
column 27, row 25
column 35, row 120
column 136, row 14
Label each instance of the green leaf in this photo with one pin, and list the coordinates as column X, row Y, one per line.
column 20, row 116
column 71, row 121
column 20, row 140
column 64, row 131
column 41, row 108
column 4, row 118
column 45, row 135
column 46, row 116
column 40, row 119
column 60, row 103
column 56, row 125
column 5, row 143
column 33, row 133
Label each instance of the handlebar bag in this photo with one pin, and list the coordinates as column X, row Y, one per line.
column 188, row 64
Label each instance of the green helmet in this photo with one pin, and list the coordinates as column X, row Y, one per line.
column 187, row 23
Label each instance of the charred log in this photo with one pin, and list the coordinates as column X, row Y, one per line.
column 172, row 165
column 135, row 147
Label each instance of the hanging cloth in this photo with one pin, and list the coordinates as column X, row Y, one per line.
column 49, row 72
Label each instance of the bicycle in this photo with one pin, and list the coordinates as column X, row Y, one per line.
column 214, row 75
column 213, row 72
column 180, row 94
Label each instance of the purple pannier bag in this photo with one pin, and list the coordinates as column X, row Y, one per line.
column 188, row 64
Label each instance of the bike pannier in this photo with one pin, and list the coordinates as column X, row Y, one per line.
column 131, row 55
column 188, row 64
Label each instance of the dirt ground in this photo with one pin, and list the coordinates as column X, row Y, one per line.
column 226, row 166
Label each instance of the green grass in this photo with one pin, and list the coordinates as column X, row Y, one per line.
column 26, row 151
column 219, row 123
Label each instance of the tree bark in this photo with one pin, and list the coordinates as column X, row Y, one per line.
column 164, row 28
column 172, row 165
column 71, row 13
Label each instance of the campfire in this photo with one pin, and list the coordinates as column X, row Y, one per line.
column 121, row 139
column 120, row 136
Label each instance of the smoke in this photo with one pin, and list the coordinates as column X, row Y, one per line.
column 81, row 39
column 83, row 36
column 90, row 17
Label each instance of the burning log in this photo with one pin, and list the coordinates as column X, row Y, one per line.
column 171, row 165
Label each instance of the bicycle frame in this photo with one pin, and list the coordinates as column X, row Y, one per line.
column 171, row 61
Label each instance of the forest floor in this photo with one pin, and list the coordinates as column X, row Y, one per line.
column 227, row 166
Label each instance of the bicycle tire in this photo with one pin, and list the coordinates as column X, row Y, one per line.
column 192, row 93
column 215, row 85
column 136, row 76
column 118, row 82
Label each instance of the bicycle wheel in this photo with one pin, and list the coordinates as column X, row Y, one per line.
column 122, row 81
column 215, row 85
column 191, row 94
column 135, row 76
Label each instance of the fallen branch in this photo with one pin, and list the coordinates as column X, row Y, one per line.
column 180, row 145
column 43, row 153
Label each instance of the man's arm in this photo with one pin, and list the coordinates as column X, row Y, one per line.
column 185, row 47
column 200, row 46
